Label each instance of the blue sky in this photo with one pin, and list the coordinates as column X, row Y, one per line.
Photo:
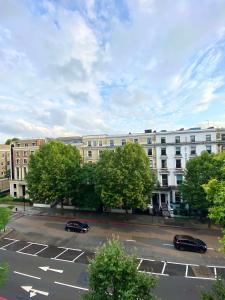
column 77, row 67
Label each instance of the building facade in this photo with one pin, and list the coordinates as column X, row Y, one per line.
column 4, row 160
column 168, row 153
column 20, row 152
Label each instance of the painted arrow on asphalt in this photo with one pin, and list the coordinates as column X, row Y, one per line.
column 34, row 292
column 47, row 268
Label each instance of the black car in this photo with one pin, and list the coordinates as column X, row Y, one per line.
column 76, row 226
column 186, row 242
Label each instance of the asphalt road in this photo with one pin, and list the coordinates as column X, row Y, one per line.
column 69, row 281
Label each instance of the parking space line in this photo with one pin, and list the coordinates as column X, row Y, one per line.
column 152, row 273
column 72, row 286
column 41, row 250
column 184, row 264
column 59, row 253
column 78, row 256
column 24, row 247
column 70, row 249
column 139, row 264
column 215, row 272
column 146, row 259
column 33, row 243
column 163, row 269
column 221, row 267
column 186, row 271
column 206, row 278
column 170, row 245
column 14, row 241
column 10, row 239
column 27, row 275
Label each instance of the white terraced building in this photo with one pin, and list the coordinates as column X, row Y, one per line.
column 168, row 152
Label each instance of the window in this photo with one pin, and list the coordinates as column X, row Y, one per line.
column 208, row 137
column 14, row 185
column 209, row 148
column 177, row 139
column 163, row 151
column 178, row 163
column 17, row 154
column 123, row 142
column 111, row 143
column 17, row 145
column 178, row 150
column 177, row 197
column 164, row 180
column 17, row 161
column 25, row 161
column 17, row 173
column 163, row 164
column 193, row 150
column 26, row 145
column 33, row 144
column 89, row 153
column 25, row 171
column 223, row 137
column 25, row 153
column 15, row 194
column 94, row 143
column 149, row 140
column 179, row 179
column 150, row 151
column 151, row 163
column 89, row 143
column 163, row 140
column 192, row 138
column 100, row 153
column 135, row 140
column 3, row 155
column 100, row 143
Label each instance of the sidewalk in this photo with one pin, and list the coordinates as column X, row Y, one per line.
column 114, row 218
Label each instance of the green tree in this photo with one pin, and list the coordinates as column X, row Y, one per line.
column 4, row 273
column 53, row 173
column 124, row 178
column 4, row 217
column 86, row 196
column 199, row 170
column 113, row 275
column 8, row 141
column 217, row 292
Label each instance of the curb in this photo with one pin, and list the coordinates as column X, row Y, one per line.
column 122, row 222
column 2, row 236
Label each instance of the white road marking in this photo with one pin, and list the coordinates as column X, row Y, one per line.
column 170, row 245
column 27, row 275
column 78, row 256
column 183, row 264
column 186, row 271
column 59, row 254
column 24, row 247
column 72, row 286
column 38, row 244
column 139, row 264
column 205, row 278
column 131, row 241
column 163, row 269
column 154, row 273
column 146, row 259
column 47, row 268
column 10, row 239
column 210, row 248
column 215, row 272
column 14, row 241
column 34, row 292
column 41, row 250
column 70, row 249
column 222, row 267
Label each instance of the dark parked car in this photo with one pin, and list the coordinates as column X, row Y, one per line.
column 186, row 242
column 76, row 226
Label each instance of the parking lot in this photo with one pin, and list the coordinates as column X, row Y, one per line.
column 73, row 255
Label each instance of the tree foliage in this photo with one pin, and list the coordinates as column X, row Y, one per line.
column 8, row 141
column 199, row 171
column 217, row 292
column 53, row 172
column 4, row 217
column 86, row 196
column 124, row 178
column 113, row 275
column 4, row 273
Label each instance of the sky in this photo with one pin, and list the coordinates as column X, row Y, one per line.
column 80, row 67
